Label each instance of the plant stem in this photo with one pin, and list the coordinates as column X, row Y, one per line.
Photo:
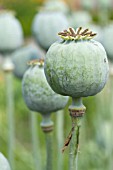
column 47, row 127
column 35, row 142
column 8, row 68
column 111, row 109
column 48, row 137
column 77, row 109
column 60, row 123
column 74, row 144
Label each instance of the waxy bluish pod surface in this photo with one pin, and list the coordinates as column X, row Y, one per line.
column 76, row 66
column 11, row 34
column 107, row 40
column 22, row 56
column 58, row 5
column 4, row 164
column 46, row 25
column 37, row 93
column 80, row 18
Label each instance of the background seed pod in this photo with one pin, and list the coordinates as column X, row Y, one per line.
column 108, row 39
column 97, row 29
column 80, row 18
column 76, row 68
column 105, row 3
column 4, row 165
column 11, row 34
column 46, row 25
column 21, row 57
column 37, row 93
column 58, row 5
column 87, row 4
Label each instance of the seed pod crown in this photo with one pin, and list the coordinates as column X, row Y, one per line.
column 78, row 34
column 39, row 62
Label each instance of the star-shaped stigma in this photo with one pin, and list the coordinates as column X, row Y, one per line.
column 78, row 34
column 39, row 62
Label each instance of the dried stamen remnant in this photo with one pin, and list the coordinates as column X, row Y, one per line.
column 78, row 34
column 39, row 62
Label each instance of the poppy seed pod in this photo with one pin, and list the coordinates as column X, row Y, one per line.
column 22, row 56
column 77, row 66
column 105, row 3
column 96, row 28
column 11, row 34
column 4, row 165
column 37, row 93
column 107, row 40
column 45, row 26
column 57, row 5
column 80, row 18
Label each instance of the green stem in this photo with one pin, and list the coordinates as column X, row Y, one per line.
column 74, row 144
column 111, row 109
column 48, row 138
column 8, row 69
column 35, row 141
column 59, row 123
column 47, row 127
column 75, row 111
column 10, row 114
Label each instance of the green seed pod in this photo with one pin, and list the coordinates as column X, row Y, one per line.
column 58, row 5
column 76, row 66
column 88, row 5
column 105, row 3
column 11, row 34
column 22, row 56
column 98, row 30
column 4, row 165
column 80, row 18
column 37, row 93
column 46, row 25
column 107, row 40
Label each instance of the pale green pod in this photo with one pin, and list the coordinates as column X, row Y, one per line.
column 107, row 40
column 37, row 93
column 46, row 25
column 58, row 5
column 87, row 4
column 80, row 18
column 105, row 3
column 77, row 67
column 11, row 34
column 96, row 28
column 4, row 164
column 22, row 56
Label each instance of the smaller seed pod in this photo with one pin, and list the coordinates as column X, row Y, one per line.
column 11, row 34
column 4, row 165
column 88, row 5
column 38, row 95
column 96, row 28
column 46, row 24
column 77, row 66
column 107, row 40
column 80, row 18
column 22, row 56
column 58, row 5
column 105, row 3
